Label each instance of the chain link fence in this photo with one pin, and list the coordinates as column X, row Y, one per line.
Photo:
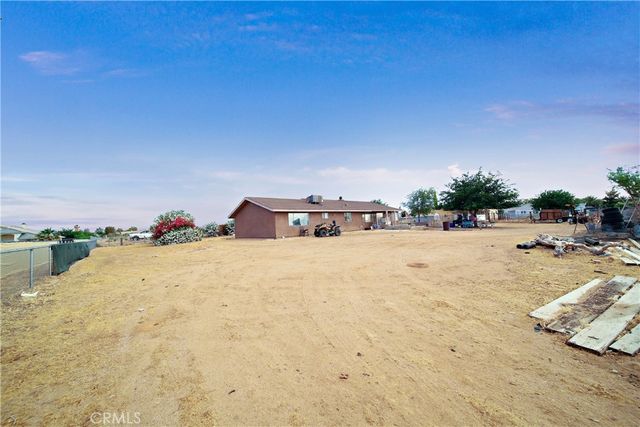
column 21, row 268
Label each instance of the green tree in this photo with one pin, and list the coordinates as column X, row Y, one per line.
column 66, row 232
column 99, row 232
column 378, row 201
column 553, row 199
column 48, row 234
column 109, row 230
column 476, row 191
column 132, row 228
column 421, row 201
column 612, row 199
column 627, row 179
column 592, row 201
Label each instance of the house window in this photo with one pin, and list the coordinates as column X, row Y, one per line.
column 367, row 217
column 298, row 219
column 347, row 217
column 325, row 215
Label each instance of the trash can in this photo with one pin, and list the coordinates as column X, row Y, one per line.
column 445, row 226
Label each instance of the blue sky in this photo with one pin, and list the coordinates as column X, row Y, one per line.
column 115, row 112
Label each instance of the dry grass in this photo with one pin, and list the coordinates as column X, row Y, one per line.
column 430, row 327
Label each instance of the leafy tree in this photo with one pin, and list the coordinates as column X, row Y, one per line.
column 119, row 230
column 66, row 232
column 421, row 201
column 109, row 230
column 612, row 199
column 592, row 201
column 75, row 234
column 472, row 192
column 553, row 199
column 627, row 179
column 99, row 231
column 378, row 201
column 132, row 228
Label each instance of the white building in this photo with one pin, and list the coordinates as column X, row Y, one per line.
column 17, row 233
column 520, row 212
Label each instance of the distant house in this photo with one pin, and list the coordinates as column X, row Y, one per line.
column 266, row 217
column 17, row 233
column 519, row 212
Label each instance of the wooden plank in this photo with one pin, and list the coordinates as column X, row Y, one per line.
column 629, row 254
column 628, row 261
column 548, row 312
column 580, row 314
column 629, row 343
column 634, row 250
column 605, row 328
column 634, row 243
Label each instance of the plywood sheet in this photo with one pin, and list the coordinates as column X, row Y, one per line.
column 629, row 343
column 582, row 313
column 599, row 335
column 550, row 311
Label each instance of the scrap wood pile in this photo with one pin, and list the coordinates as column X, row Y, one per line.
column 597, row 316
column 628, row 252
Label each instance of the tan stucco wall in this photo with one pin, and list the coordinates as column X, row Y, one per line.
column 253, row 221
column 283, row 228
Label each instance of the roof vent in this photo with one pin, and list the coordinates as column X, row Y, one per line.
column 315, row 199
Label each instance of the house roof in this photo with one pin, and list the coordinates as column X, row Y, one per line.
column 301, row 205
column 18, row 229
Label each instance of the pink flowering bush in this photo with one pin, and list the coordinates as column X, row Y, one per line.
column 175, row 227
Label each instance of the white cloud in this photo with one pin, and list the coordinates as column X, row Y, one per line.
column 52, row 63
column 454, row 170
column 624, row 111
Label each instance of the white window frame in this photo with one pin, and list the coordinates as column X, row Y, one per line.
column 292, row 217
column 348, row 217
column 325, row 215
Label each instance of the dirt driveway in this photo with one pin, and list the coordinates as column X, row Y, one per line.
column 407, row 328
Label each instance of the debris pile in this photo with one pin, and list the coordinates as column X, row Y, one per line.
column 627, row 251
column 597, row 316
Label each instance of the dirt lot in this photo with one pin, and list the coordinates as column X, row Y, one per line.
column 430, row 327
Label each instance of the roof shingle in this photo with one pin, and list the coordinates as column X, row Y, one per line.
column 301, row 205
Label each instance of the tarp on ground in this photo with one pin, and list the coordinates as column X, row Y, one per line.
column 66, row 254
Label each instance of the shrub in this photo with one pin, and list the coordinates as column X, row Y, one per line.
column 175, row 227
column 210, row 230
column 230, row 228
column 182, row 235
column 109, row 230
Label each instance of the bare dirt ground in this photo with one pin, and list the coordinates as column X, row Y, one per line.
column 424, row 327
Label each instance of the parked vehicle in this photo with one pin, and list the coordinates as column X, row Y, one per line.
column 140, row 235
column 557, row 215
column 325, row 229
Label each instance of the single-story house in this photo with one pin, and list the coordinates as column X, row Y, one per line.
column 267, row 217
column 519, row 212
column 17, row 233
